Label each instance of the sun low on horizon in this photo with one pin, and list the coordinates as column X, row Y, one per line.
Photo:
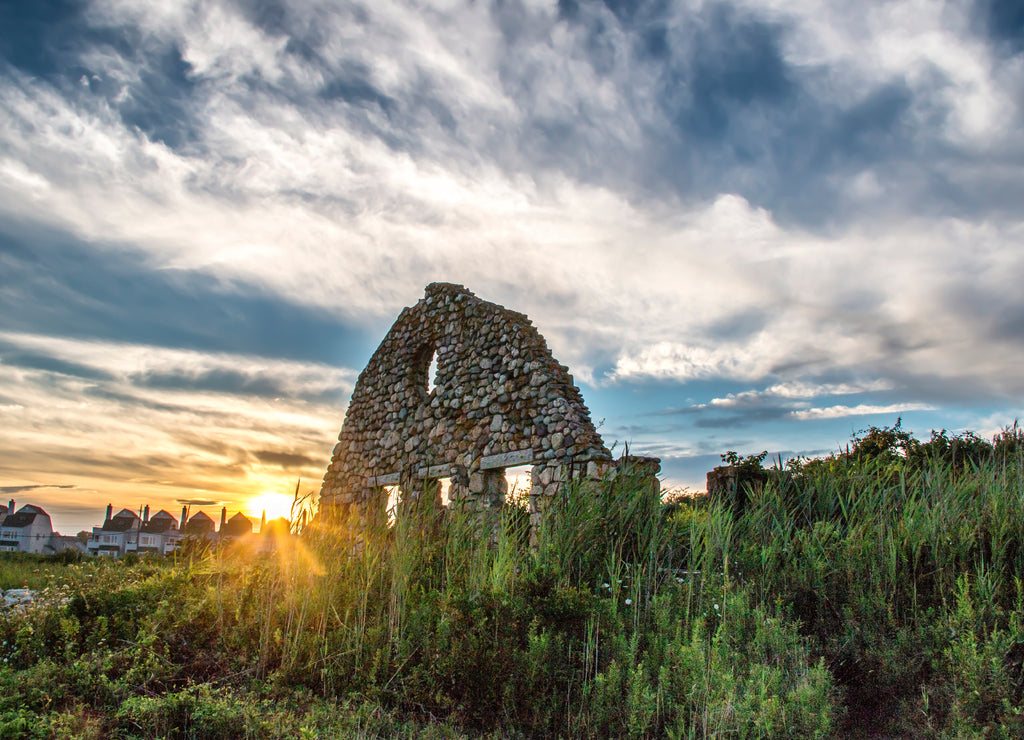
column 272, row 505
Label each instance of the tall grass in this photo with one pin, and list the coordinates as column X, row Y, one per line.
column 842, row 594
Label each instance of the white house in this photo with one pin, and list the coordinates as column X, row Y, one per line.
column 27, row 530
column 160, row 533
column 118, row 535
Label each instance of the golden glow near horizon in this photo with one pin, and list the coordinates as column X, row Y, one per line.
column 195, row 295
column 276, row 505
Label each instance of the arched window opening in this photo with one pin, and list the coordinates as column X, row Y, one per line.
column 432, row 373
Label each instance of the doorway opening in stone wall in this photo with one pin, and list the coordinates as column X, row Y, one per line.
column 392, row 505
column 445, row 485
column 518, row 482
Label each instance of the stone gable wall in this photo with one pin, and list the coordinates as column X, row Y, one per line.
column 500, row 400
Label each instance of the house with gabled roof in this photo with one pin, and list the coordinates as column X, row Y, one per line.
column 159, row 534
column 119, row 534
column 26, row 530
column 127, row 531
column 200, row 525
column 237, row 526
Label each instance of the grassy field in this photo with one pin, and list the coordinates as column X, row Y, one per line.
column 877, row 592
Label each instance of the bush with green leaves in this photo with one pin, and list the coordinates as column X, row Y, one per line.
column 882, row 587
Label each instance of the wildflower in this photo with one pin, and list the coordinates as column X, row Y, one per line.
column 606, row 585
column 716, row 607
column 629, row 602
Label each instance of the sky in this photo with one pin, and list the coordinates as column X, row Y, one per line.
column 745, row 225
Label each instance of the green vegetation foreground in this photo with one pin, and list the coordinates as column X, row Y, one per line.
column 878, row 590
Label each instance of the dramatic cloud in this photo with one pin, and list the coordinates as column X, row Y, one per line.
column 764, row 215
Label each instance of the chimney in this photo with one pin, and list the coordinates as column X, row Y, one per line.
column 223, row 516
column 145, row 514
column 184, row 516
column 10, row 506
column 263, row 522
column 110, row 511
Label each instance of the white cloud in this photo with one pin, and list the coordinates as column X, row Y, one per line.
column 309, row 201
column 837, row 412
column 680, row 362
column 863, row 45
column 796, row 390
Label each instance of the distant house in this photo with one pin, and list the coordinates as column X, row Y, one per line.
column 237, row 526
column 200, row 525
column 279, row 527
column 159, row 534
column 127, row 532
column 26, row 530
column 119, row 534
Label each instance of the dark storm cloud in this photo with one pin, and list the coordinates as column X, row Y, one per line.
column 997, row 315
column 53, row 283
column 722, row 94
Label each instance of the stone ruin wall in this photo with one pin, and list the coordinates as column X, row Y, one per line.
column 500, row 400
